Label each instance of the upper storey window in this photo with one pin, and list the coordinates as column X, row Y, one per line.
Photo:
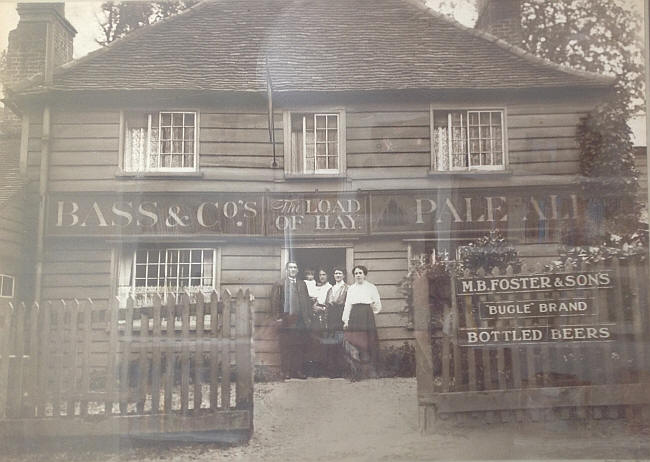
column 467, row 140
column 162, row 141
column 317, row 143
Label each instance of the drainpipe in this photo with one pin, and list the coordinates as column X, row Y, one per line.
column 42, row 209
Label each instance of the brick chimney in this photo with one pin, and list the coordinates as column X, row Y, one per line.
column 41, row 41
column 501, row 18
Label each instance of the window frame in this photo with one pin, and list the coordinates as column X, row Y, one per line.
column 13, row 285
column 290, row 158
column 131, row 252
column 466, row 110
column 148, row 113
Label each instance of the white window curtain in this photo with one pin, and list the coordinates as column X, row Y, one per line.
column 125, row 275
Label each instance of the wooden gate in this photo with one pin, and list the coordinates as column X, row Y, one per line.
column 180, row 366
column 558, row 351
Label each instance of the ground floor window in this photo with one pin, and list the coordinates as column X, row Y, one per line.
column 427, row 251
column 145, row 272
column 6, row 286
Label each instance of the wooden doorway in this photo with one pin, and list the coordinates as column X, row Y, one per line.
column 315, row 259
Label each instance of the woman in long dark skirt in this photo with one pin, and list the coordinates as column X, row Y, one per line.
column 361, row 304
column 335, row 301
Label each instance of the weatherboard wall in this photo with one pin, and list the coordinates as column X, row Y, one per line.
column 388, row 148
column 389, row 142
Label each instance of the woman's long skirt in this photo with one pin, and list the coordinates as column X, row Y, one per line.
column 362, row 332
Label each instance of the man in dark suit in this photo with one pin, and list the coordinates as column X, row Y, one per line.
column 292, row 307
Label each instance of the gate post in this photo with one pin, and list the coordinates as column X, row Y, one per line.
column 423, row 354
column 244, row 352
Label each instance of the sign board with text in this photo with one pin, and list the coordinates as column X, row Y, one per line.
column 533, row 308
column 308, row 213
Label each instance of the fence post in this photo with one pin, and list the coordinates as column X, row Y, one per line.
column 6, row 310
column 243, row 351
column 423, row 354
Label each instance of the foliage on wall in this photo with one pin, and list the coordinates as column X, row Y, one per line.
column 602, row 36
column 611, row 179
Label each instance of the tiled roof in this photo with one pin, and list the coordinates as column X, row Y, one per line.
column 313, row 45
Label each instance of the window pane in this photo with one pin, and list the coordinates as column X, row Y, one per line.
column 207, row 270
column 460, row 160
column 177, row 147
column 321, row 163
column 189, row 120
column 188, row 161
column 332, row 121
column 165, row 119
column 498, row 158
column 320, row 149
column 177, row 119
column 184, row 256
column 485, row 118
column 333, row 162
column 441, row 140
column 309, row 122
column 178, row 133
column 333, row 149
column 321, row 122
column 320, row 135
column 473, row 118
column 165, row 147
column 332, row 135
column 7, row 286
column 189, row 147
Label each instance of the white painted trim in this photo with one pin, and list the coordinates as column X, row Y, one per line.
column 467, row 108
column 143, row 168
column 13, row 285
column 290, row 159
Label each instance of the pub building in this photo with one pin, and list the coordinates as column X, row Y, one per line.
column 397, row 135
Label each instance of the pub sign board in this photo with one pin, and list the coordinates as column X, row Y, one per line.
column 317, row 214
column 531, row 309
column 441, row 211
column 469, row 211
column 156, row 214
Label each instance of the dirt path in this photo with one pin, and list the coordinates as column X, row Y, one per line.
column 336, row 420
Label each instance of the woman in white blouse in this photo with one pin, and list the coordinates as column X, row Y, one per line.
column 361, row 304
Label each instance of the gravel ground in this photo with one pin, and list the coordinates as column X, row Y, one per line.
column 325, row 419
